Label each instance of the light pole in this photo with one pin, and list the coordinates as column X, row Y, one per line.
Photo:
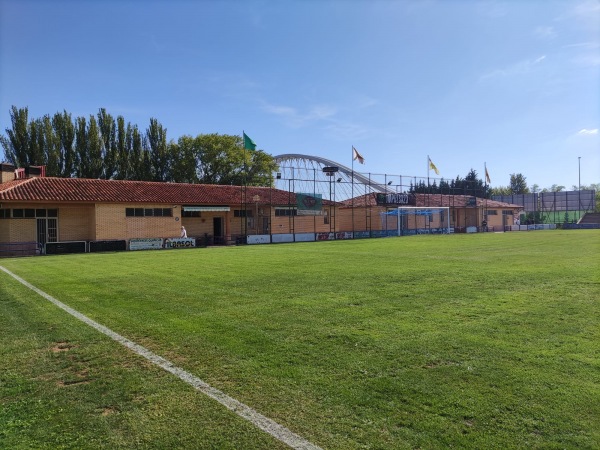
column 579, row 189
column 579, row 158
column 330, row 171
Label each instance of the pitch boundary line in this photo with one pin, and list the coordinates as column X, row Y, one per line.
column 262, row 422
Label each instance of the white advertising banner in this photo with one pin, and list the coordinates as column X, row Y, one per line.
column 285, row 237
column 180, row 242
column 258, row 239
column 145, row 244
column 305, row 237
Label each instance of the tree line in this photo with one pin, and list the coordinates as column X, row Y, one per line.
column 471, row 184
column 105, row 147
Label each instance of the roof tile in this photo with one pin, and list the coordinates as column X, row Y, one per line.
column 119, row 191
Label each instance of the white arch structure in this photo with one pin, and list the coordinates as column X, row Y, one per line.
column 304, row 173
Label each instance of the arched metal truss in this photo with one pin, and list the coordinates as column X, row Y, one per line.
column 305, row 173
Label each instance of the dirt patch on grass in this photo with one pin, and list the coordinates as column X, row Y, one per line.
column 82, row 377
column 64, row 346
column 108, row 411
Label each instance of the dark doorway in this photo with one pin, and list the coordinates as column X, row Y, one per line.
column 218, row 230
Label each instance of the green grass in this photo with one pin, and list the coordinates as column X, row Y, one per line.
column 469, row 341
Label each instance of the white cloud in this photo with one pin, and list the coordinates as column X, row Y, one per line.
column 585, row 131
column 519, row 68
column 493, row 9
column 586, row 8
column 297, row 119
column 544, row 32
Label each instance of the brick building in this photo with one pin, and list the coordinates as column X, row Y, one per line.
column 36, row 210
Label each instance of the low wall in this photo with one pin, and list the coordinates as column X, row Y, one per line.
column 581, row 226
column 19, row 249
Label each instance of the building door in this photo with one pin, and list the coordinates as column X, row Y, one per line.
column 471, row 217
column 218, row 230
column 47, row 231
column 265, row 225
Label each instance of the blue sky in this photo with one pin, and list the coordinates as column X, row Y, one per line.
column 514, row 84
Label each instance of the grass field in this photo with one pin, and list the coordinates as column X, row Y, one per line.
column 468, row 341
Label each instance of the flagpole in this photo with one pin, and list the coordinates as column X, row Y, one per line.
column 243, row 220
column 485, row 176
column 428, row 167
column 352, row 152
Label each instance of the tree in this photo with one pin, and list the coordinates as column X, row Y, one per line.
column 159, row 156
column 501, row 190
column 16, row 143
column 108, row 139
column 50, row 144
column 222, row 159
column 89, row 148
column 470, row 185
column 183, row 155
column 261, row 168
column 123, row 164
column 64, row 130
column 518, row 184
column 35, row 154
column 138, row 162
column 100, row 147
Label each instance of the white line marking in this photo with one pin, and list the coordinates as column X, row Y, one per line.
column 279, row 432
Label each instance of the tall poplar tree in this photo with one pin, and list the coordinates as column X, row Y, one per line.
column 123, row 163
column 108, row 139
column 16, row 141
column 64, row 130
column 156, row 137
column 51, row 147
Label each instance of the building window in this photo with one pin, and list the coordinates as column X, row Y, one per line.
column 148, row 212
column 23, row 213
column 284, row 212
column 190, row 213
column 242, row 213
column 491, row 212
column 134, row 212
column 507, row 212
column 28, row 213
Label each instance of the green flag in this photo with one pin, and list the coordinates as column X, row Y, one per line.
column 249, row 143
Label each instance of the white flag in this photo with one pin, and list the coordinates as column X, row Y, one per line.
column 357, row 156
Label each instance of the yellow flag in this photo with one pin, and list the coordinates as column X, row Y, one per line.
column 432, row 167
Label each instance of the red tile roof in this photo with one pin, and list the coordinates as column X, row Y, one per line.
column 432, row 200
column 49, row 189
column 83, row 190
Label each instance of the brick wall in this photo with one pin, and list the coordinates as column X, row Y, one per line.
column 111, row 223
column 75, row 223
column 199, row 226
